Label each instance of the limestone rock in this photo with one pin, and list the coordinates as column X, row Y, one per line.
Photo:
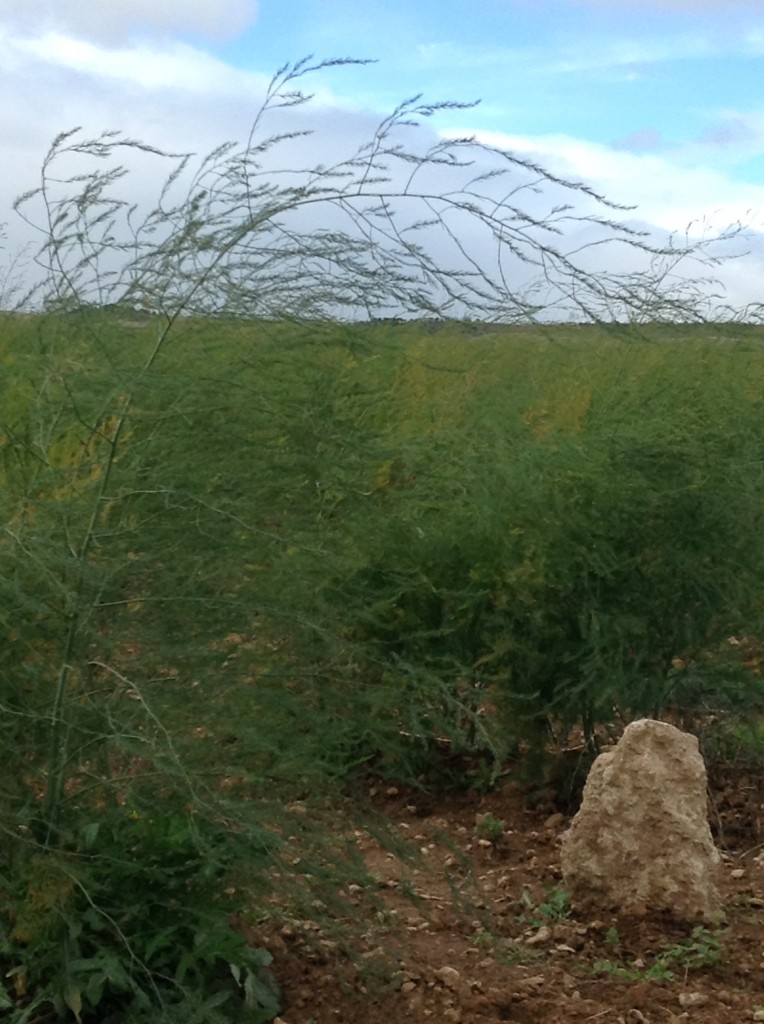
column 641, row 839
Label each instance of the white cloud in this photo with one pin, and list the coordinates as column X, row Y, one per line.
column 674, row 198
column 178, row 97
column 112, row 20
column 633, row 54
column 151, row 66
column 599, row 53
column 166, row 93
column 671, row 195
column 753, row 40
column 169, row 95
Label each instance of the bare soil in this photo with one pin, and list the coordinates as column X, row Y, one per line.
column 472, row 927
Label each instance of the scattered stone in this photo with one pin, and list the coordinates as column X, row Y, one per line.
column 449, row 976
column 758, row 1015
column 533, row 984
column 544, row 934
column 738, row 873
column 689, row 999
column 641, row 839
column 554, row 821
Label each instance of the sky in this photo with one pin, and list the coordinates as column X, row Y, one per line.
column 655, row 103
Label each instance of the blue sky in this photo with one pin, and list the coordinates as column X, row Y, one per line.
column 659, row 103
column 622, row 74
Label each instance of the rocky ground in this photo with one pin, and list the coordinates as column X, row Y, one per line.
column 472, row 926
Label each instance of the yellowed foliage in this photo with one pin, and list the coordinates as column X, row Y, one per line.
column 562, row 410
column 435, row 384
column 50, row 891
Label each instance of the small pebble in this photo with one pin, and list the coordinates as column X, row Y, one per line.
column 687, row 999
column 449, row 976
column 544, row 934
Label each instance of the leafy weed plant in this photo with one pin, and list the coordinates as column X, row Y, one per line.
column 489, row 827
column 701, row 950
column 129, row 922
column 552, row 909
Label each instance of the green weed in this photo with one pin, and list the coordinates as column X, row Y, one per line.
column 701, row 950
column 132, row 919
column 489, row 827
column 553, row 908
column 483, row 939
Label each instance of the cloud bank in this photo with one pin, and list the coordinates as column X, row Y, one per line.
column 110, row 21
column 125, row 67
